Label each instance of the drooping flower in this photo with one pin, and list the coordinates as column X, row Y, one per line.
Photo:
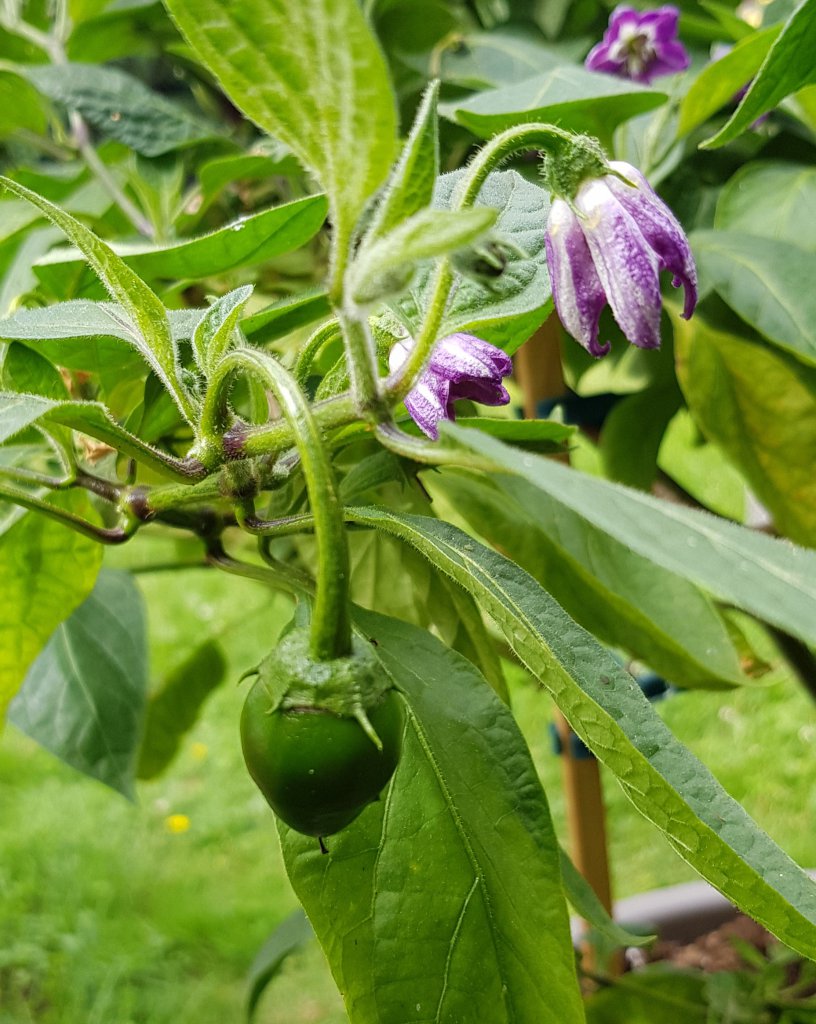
column 461, row 366
column 609, row 245
column 639, row 45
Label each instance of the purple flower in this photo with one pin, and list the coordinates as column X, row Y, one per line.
column 640, row 46
column 609, row 245
column 461, row 366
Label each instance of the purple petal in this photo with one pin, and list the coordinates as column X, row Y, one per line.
column 461, row 356
column 659, row 227
column 486, row 392
column 577, row 291
column 428, row 402
column 626, row 264
column 497, row 359
column 662, row 22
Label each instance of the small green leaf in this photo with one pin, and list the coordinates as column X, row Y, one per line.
column 155, row 340
column 465, row 819
column 291, row 935
column 173, row 709
column 517, row 302
column 311, row 74
column 719, row 82
column 607, row 709
column 83, row 697
column 567, row 95
column 215, row 331
column 632, row 432
column 759, row 405
column 47, row 571
column 533, row 435
column 282, row 317
column 585, row 902
column 788, row 67
column 120, row 106
column 701, row 467
column 387, row 264
column 766, row 282
column 411, row 184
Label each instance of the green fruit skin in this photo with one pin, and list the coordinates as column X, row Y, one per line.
column 318, row 770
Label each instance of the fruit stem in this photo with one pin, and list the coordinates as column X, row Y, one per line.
column 331, row 623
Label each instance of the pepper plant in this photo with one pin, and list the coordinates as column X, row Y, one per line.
column 295, row 443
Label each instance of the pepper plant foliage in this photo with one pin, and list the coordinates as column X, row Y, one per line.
column 272, row 396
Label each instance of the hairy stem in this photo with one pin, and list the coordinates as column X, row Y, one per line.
column 331, row 626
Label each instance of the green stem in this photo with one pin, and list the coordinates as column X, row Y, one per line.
column 331, row 626
column 30, row 476
column 276, row 437
column 307, row 355
column 117, row 535
column 431, row 453
column 498, row 149
column 273, row 573
column 364, row 370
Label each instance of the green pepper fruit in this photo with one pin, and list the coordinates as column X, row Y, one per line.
column 321, row 739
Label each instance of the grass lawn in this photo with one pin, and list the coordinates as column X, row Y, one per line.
column 114, row 913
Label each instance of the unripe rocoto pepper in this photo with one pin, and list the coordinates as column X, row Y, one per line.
column 321, row 739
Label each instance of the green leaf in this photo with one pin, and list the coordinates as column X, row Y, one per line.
column 632, row 432
column 485, row 60
column 19, row 411
column 623, row 598
column 22, row 106
column 570, row 96
column 411, row 184
column 656, row 992
column 606, row 708
column 532, row 435
column 291, row 935
column 147, row 313
column 465, row 819
column 586, row 904
column 759, row 405
column 719, row 82
column 47, row 571
column 788, row 67
column 120, row 106
column 701, row 468
column 311, row 74
column 215, row 331
column 282, row 317
column 767, row 577
column 93, row 336
column 92, row 418
column 517, row 302
column 245, row 242
column 767, row 283
column 387, row 264
column 173, row 709
column 83, row 697
column 773, row 200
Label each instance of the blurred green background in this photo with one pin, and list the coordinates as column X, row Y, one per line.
column 113, row 913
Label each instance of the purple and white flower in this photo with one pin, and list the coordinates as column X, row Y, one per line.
column 609, row 245
column 461, row 366
column 639, row 45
